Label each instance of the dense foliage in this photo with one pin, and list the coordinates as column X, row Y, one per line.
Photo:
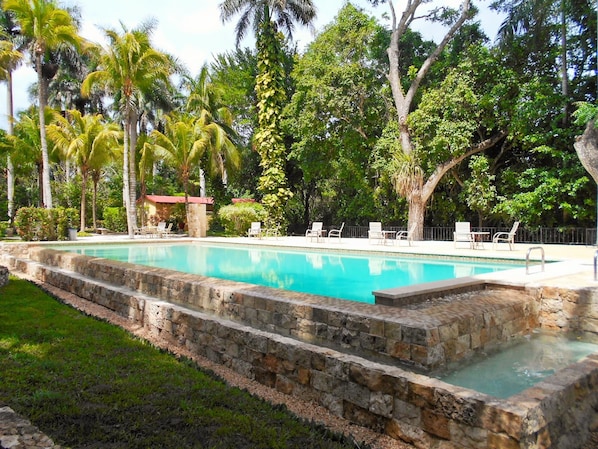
column 319, row 135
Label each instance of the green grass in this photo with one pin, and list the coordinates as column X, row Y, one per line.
column 89, row 384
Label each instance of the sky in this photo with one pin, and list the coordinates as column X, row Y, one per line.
column 192, row 31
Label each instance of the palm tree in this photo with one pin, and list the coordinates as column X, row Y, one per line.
column 205, row 98
column 88, row 140
column 9, row 58
column 129, row 68
column 266, row 17
column 186, row 139
column 48, row 27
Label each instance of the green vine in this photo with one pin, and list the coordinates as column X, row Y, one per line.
column 268, row 140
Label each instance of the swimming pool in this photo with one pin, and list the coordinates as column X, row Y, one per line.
column 335, row 274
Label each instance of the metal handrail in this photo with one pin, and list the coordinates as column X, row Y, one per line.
column 543, row 261
column 596, row 265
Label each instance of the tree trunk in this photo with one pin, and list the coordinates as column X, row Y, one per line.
column 586, row 147
column 10, row 169
column 83, row 197
column 126, row 184
column 94, row 200
column 417, row 213
column 47, row 192
column 564, row 73
column 133, row 167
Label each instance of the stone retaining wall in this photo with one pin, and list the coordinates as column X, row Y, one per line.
column 556, row 413
column 570, row 310
column 424, row 341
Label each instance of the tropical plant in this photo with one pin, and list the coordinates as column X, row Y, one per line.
column 237, row 218
column 267, row 17
column 48, row 27
column 129, row 68
column 205, row 98
column 89, row 141
column 186, row 138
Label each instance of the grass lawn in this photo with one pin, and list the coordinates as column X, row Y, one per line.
column 89, row 384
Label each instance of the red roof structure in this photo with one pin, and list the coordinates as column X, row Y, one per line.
column 164, row 199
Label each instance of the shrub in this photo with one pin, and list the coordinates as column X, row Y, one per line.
column 237, row 218
column 28, row 221
column 3, row 227
column 65, row 219
column 34, row 223
column 115, row 219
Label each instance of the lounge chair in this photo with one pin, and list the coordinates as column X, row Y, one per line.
column 507, row 237
column 336, row 232
column 375, row 231
column 463, row 233
column 164, row 231
column 407, row 235
column 255, row 230
column 159, row 230
column 315, row 231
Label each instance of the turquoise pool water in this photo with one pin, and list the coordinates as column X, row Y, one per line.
column 345, row 276
column 521, row 366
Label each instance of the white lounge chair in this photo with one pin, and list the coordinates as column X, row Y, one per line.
column 336, row 232
column 407, row 235
column 463, row 233
column 255, row 230
column 375, row 231
column 507, row 237
column 315, row 231
column 165, row 231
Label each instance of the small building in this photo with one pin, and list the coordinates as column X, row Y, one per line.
column 161, row 207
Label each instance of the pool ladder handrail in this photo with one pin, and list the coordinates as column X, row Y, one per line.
column 527, row 257
column 596, row 265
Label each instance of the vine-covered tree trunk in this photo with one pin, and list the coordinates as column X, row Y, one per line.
column 268, row 141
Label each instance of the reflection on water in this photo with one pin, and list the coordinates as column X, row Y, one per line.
column 517, row 368
column 335, row 274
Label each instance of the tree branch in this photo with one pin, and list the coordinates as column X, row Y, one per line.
column 441, row 169
column 434, row 55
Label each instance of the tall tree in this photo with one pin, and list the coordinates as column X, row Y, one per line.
column 549, row 37
column 336, row 115
column 87, row 139
column 414, row 181
column 129, row 68
column 49, row 28
column 10, row 57
column 266, row 17
column 205, row 97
